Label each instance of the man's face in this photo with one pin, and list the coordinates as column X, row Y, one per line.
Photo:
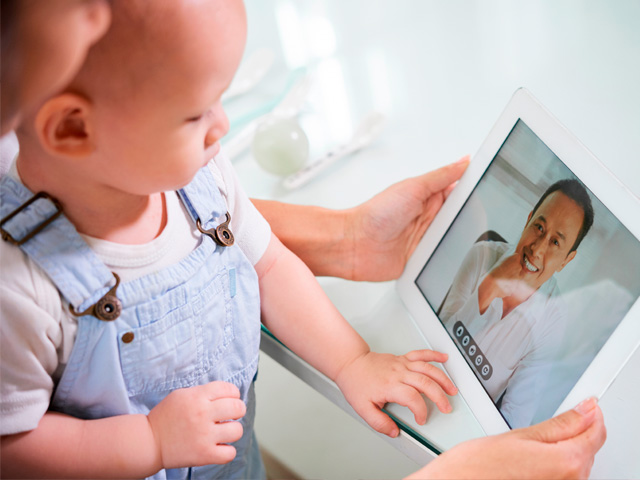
column 49, row 45
column 547, row 238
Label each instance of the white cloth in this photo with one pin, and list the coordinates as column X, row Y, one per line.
column 8, row 151
column 37, row 333
column 521, row 346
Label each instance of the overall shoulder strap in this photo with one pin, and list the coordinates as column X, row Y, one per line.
column 206, row 205
column 203, row 199
column 52, row 242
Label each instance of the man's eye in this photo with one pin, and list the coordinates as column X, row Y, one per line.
column 556, row 243
column 539, row 227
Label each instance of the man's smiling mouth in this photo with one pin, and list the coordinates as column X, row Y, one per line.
column 529, row 266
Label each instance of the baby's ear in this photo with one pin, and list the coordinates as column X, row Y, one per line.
column 63, row 125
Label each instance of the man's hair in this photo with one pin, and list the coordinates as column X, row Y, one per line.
column 578, row 193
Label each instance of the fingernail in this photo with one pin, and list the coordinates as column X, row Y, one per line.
column 586, row 406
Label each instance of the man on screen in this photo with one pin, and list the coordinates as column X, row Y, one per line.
column 503, row 307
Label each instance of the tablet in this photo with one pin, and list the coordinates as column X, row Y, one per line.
column 529, row 276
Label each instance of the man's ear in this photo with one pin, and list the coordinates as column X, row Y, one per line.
column 64, row 126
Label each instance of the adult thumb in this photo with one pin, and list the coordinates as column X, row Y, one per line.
column 438, row 180
column 564, row 426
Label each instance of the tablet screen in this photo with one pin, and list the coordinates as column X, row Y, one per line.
column 531, row 278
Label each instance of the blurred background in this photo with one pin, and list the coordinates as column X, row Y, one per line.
column 440, row 71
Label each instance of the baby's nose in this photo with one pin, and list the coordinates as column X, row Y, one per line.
column 210, row 138
column 218, row 129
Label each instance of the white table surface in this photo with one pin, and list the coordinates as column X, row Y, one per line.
column 442, row 71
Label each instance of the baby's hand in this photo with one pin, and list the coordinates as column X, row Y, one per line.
column 191, row 425
column 374, row 379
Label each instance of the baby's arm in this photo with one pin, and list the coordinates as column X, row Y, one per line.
column 189, row 427
column 297, row 311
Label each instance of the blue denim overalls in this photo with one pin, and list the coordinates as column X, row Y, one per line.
column 188, row 324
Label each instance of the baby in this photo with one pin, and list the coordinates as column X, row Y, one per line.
column 131, row 322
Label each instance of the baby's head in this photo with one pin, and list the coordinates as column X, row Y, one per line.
column 144, row 113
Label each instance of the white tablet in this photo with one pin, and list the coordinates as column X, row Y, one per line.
column 529, row 276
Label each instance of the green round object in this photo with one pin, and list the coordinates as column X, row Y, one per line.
column 280, row 146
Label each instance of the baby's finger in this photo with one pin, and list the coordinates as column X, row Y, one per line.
column 426, row 356
column 408, row 396
column 222, row 454
column 435, row 374
column 378, row 420
column 227, row 432
column 431, row 389
column 215, row 390
column 227, row 409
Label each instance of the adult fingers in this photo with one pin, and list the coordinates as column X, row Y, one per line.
column 228, row 409
column 564, row 426
column 441, row 178
column 591, row 440
column 574, row 456
column 447, row 191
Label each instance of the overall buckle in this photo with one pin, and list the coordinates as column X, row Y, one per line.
column 221, row 234
column 6, row 236
column 107, row 309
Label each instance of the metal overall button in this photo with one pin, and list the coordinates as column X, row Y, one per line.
column 128, row 337
column 107, row 309
column 221, row 234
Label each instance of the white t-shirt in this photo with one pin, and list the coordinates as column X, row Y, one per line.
column 520, row 347
column 36, row 329
column 8, row 151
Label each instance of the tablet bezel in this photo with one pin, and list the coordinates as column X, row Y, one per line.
column 609, row 190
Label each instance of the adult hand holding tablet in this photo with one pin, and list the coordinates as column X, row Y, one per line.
column 529, row 276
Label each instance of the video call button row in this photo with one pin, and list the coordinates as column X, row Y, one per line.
column 476, row 356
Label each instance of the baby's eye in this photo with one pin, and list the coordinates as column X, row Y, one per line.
column 194, row 119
